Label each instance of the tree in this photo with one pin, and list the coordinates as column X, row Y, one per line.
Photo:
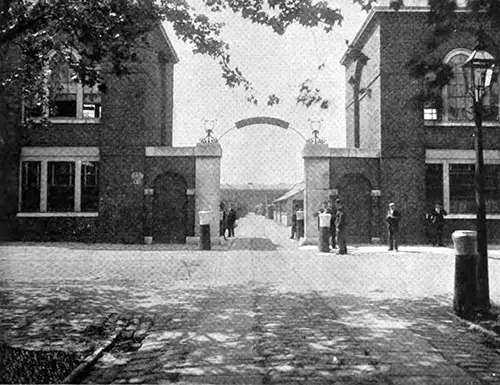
column 110, row 30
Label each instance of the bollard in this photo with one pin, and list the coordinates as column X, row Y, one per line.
column 465, row 243
column 205, row 218
column 324, row 233
column 300, row 224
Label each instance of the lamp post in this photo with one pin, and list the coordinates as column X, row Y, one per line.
column 478, row 73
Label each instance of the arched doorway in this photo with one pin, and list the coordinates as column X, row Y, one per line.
column 170, row 204
column 355, row 192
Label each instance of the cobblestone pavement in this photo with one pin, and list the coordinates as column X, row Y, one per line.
column 259, row 310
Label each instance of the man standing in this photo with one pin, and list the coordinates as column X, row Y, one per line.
column 322, row 210
column 222, row 221
column 294, row 221
column 330, row 210
column 392, row 218
column 341, row 227
column 231, row 219
column 437, row 220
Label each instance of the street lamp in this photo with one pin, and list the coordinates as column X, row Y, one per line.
column 478, row 73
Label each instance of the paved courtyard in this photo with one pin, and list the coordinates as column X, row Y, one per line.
column 258, row 310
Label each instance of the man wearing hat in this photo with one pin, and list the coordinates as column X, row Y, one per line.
column 330, row 210
column 436, row 217
column 392, row 218
column 341, row 228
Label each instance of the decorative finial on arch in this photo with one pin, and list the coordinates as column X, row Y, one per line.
column 209, row 129
column 315, row 127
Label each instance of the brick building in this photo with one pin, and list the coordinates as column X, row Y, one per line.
column 414, row 155
column 251, row 197
column 104, row 169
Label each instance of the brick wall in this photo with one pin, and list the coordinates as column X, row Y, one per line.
column 10, row 136
column 136, row 112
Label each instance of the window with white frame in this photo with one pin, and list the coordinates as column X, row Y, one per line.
column 59, row 186
column 65, row 97
column 430, row 112
column 457, row 101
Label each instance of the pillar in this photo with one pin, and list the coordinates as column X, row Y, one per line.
column 207, row 186
column 464, row 298
column 376, row 225
column 317, row 180
column 148, row 220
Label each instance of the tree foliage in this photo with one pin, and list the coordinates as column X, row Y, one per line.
column 443, row 22
column 110, row 30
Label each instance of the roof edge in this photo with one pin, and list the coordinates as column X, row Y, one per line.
column 380, row 9
column 169, row 43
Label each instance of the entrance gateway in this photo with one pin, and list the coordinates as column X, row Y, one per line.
column 323, row 167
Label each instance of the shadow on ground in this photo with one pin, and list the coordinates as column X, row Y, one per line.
column 257, row 244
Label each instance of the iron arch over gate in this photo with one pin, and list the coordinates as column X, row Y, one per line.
column 262, row 120
column 170, row 205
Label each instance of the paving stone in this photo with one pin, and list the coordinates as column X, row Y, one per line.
column 285, row 316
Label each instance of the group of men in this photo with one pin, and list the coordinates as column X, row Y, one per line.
column 338, row 224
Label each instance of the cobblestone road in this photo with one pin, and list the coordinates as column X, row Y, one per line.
column 259, row 310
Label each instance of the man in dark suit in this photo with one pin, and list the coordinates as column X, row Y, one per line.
column 341, row 227
column 392, row 218
column 436, row 217
column 231, row 219
column 331, row 210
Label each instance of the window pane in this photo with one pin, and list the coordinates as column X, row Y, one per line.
column 63, row 108
column 457, row 103
column 63, row 88
column 61, row 186
column 90, row 186
column 433, row 184
column 30, row 188
column 462, row 190
column 91, row 103
column 492, row 188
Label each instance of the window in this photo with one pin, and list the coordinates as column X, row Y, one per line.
column 54, row 186
column 430, row 113
column 90, row 186
column 61, row 186
column 492, row 188
column 434, row 184
column 457, row 102
column 454, row 185
column 65, row 97
column 30, row 186
column 462, row 190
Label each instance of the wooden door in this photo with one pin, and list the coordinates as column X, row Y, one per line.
column 170, row 209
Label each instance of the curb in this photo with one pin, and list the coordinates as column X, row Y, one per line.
column 476, row 327
column 90, row 360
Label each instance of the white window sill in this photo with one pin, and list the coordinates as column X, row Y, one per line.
column 69, row 120
column 471, row 216
column 438, row 123
column 68, row 214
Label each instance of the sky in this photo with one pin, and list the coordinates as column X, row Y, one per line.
column 274, row 64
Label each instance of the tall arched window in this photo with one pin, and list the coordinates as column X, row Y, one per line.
column 457, row 102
